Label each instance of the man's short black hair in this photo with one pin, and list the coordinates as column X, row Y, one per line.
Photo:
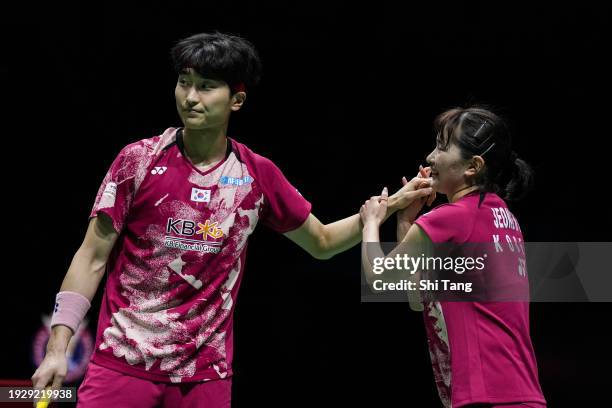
column 220, row 56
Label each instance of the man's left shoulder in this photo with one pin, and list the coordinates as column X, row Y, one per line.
column 251, row 158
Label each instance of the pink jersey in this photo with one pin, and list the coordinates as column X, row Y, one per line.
column 174, row 272
column 481, row 352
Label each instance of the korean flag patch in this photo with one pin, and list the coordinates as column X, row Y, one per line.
column 200, row 196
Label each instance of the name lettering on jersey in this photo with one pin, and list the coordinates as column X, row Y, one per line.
column 200, row 196
column 159, row 170
column 503, row 218
column 514, row 244
column 236, row 181
column 189, row 228
column 516, row 247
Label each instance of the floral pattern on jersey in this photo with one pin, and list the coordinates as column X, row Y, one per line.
column 439, row 350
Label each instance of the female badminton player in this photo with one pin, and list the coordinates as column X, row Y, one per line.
column 481, row 352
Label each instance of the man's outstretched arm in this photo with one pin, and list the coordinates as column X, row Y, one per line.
column 323, row 241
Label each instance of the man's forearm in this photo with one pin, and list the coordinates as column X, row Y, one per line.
column 84, row 274
column 59, row 339
column 346, row 233
column 83, row 278
column 341, row 235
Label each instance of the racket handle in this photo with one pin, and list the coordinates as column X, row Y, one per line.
column 43, row 402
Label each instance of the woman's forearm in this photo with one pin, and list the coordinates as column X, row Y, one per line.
column 370, row 250
column 402, row 229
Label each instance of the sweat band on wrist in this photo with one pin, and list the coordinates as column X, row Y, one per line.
column 70, row 309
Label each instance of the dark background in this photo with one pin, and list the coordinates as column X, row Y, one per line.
column 345, row 107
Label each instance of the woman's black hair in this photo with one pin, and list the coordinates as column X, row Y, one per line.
column 478, row 131
column 220, row 56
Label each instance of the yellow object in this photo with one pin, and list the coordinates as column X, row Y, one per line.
column 44, row 402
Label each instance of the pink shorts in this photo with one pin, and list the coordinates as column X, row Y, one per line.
column 103, row 387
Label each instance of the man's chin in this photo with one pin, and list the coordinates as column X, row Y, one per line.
column 194, row 124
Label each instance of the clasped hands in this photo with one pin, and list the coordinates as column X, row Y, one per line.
column 407, row 201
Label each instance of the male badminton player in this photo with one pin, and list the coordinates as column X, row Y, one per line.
column 170, row 227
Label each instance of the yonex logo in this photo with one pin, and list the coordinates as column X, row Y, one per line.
column 159, row 170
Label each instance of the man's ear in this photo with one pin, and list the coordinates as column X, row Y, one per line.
column 238, row 100
column 475, row 166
